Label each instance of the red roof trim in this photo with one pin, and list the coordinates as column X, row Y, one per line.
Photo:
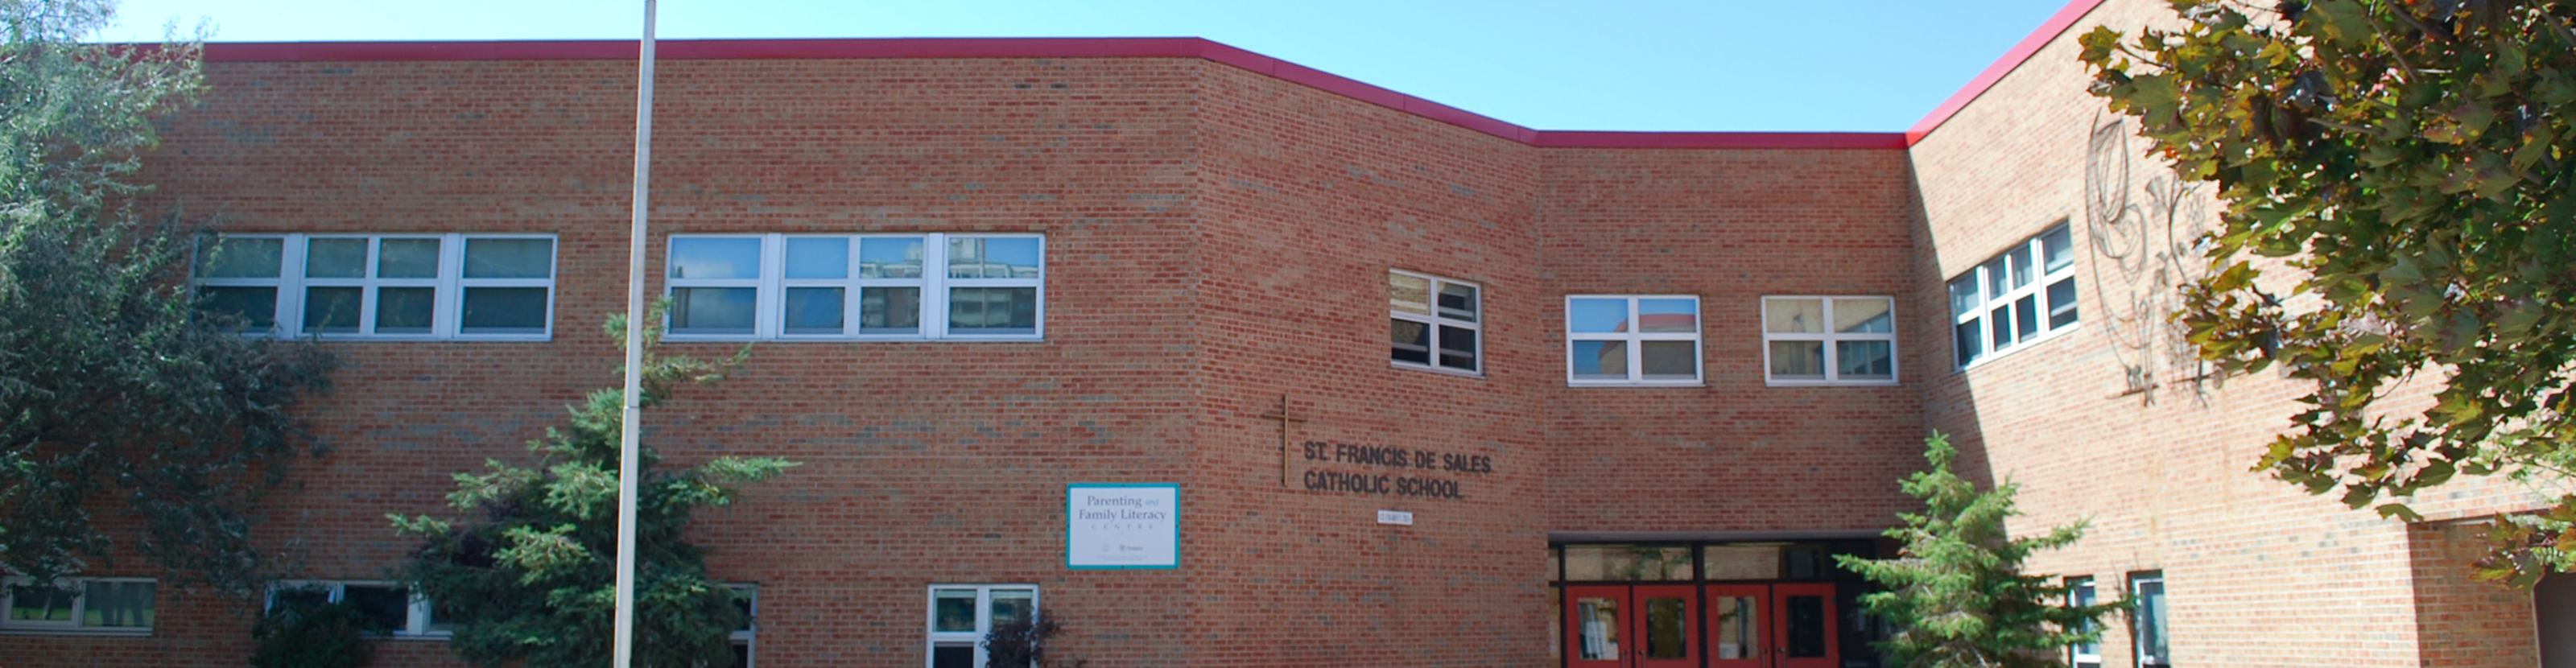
column 1074, row 47
column 2029, row 46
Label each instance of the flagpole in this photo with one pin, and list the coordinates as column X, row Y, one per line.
column 623, row 654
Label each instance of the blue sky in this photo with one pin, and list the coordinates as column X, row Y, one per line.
column 1866, row 65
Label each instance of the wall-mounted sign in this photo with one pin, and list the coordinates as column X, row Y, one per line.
column 1112, row 525
column 1395, row 517
column 1388, row 470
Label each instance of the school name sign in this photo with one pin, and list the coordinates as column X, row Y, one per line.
column 1114, row 525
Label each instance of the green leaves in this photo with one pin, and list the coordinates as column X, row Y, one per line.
column 2411, row 172
column 532, row 584
column 1955, row 592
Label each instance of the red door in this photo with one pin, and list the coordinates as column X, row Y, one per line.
column 1803, row 621
column 1596, row 621
column 1632, row 626
column 1667, row 630
column 1739, row 626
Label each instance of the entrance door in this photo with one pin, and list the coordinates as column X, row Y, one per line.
column 1633, row 626
column 1739, row 624
column 1804, row 634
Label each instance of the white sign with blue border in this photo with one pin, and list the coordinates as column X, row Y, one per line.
column 1122, row 525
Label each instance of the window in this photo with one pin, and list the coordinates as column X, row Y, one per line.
column 1829, row 340
column 2024, row 295
column 90, row 605
column 394, row 286
column 1435, row 322
column 390, row 607
column 960, row 615
column 2148, row 591
column 2079, row 593
column 1632, row 340
column 794, row 286
column 747, row 599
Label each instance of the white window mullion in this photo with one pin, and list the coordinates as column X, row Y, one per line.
column 367, row 287
column 290, row 286
column 769, row 297
column 449, row 320
column 934, row 289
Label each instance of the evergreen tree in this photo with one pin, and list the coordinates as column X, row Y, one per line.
column 533, row 584
column 116, row 395
column 1955, row 592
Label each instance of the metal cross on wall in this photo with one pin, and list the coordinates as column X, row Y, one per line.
column 1284, row 419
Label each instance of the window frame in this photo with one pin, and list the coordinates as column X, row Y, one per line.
column 416, row 613
column 2037, row 290
column 747, row 637
column 447, row 311
column 1829, row 338
column 770, row 288
column 1635, row 340
column 79, row 586
column 1434, row 321
column 2156, row 613
column 983, row 620
column 2080, row 592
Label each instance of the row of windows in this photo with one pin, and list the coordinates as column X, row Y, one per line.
column 2147, row 622
column 939, row 286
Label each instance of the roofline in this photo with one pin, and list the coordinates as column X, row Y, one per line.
column 2020, row 53
column 1143, row 47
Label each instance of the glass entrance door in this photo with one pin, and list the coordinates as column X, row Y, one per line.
column 1633, row 626
column 1805, row 631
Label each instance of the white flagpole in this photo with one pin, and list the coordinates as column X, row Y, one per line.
column 624, row 653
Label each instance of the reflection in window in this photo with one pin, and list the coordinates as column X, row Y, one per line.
column 918, row 286
column 1434, row 322
column 1623, row 340
column 1829, row 340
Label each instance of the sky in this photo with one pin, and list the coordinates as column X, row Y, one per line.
column 1668, row 65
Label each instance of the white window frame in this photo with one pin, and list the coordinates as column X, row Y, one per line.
column 2164, row 600
column 447, row 317
column 1435, row 321
column 983, row 620
column 770, row 298
column 80, row 609
column 416, row 618
column 1984, row 278
column 748, row 637
column 1636, row 347
column 2081, row 592
column 1829, row 337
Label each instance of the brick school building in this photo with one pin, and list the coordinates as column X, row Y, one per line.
column 1224, row 361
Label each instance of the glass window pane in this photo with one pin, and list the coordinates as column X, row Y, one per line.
column 1793, row 316
column 1963, row 295
column 1798, row 360
column 1412, row 341
column 992, row 310
column 718, row 257
column 1627, row 563
column 32, row 603
column 992, row 257
column 1998, row 278
column 818, row 257
column 504, row 311
column 1458, row 302
column 1738, row 620
column 953, row 610
column 1600, row 360
column 240, row 257
column 1969, row 341
column 300, row 598
column 405, row 310
column 814, row 310
column 257, row 307
column 1667, row 624
column 335, row 257
column 2151, row 622
column 2022, row 271
column 2061, row 303
column 889, row 310
column 509, row 258
column 407, row 258
column 1012, row 605
column 2026, row 317
column 1864, row 360
column 1409, row 294
column 1458, row 348
column 1597, row 316
column 331, row 309
column 2057, row 248
column 890, row 257
column 952, row 656
column 1721, row 562
column 1668, row 315
column 117, row 605
column 2001, row 316
column 1596, row 622
column 386, row 608
column 1669, row 360
column 1804, row 617
column 713, row 310
column 442, row 619
column 1864, row 315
